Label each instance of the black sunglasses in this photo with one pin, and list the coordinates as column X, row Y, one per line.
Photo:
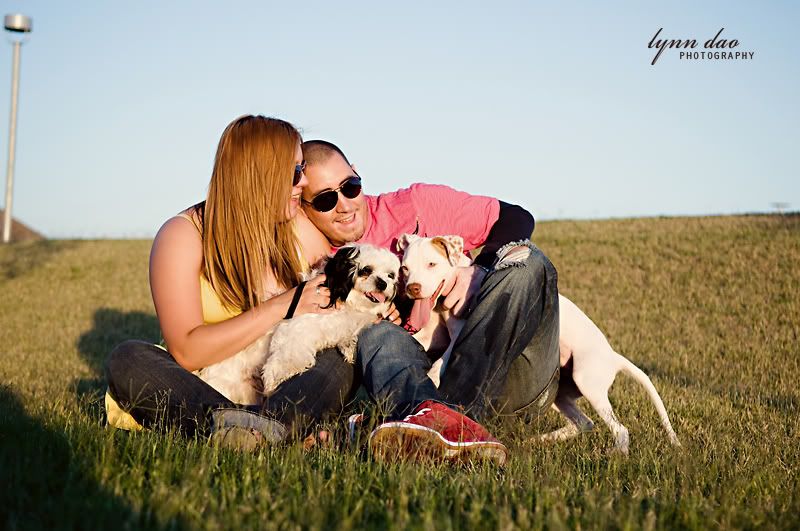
column 298, row 173
column 327, row 200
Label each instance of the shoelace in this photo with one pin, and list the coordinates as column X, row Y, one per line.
column 418, row 413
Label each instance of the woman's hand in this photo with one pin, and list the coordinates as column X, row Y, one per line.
column 314, row 298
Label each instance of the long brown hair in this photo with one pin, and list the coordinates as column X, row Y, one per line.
column 244, row 225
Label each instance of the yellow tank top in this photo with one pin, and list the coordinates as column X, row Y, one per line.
column 214, row 310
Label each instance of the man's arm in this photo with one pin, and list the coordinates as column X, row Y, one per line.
column 513, row 224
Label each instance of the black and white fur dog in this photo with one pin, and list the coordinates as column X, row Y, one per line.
column 363, row 283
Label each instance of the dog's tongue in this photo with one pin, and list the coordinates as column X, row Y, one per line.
column 377, row 295
column 421, row 310
column 420, row 314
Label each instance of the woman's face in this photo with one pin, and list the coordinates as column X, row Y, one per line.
column 294, row 201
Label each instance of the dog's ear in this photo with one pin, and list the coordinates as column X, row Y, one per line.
column 317, row 268
column 453, row 247
column 405, row 240
column 340, row 273
column 319, row 265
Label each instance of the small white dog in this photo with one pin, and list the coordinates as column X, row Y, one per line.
column 361, row 278
column 589, row 364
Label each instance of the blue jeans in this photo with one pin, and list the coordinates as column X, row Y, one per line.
column 147, row 381
column 505, row 360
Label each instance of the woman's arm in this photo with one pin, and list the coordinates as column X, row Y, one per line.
column 175, row 262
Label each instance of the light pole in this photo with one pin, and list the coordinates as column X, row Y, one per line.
column 17, row 24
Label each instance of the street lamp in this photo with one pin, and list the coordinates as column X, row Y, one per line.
column 16, row 24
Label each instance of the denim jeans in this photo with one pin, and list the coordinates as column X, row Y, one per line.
column 505, row 360
column 147, row 381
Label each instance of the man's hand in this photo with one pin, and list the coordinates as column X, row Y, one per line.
column 467, row 283
column 392, row 315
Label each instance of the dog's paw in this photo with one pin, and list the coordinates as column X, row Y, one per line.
column 619, row 450
column 567, row 432
column 280, row 367
column 348, row 350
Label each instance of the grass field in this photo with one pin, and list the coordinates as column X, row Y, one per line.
column 709, row 307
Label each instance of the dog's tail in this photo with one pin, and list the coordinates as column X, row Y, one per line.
column 640, row 376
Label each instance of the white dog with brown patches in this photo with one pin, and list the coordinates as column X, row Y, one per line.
column 589, row 364
column 428, row 265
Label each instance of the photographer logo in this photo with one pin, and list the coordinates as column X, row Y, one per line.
column 717, row 48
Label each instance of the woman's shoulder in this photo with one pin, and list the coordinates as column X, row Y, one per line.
column 180, row 234
column 183, row 220
column 192, row 215
column 315, row 244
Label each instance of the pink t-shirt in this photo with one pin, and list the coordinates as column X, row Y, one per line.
column 429, row 210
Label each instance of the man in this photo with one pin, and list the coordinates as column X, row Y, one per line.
column 503, row 361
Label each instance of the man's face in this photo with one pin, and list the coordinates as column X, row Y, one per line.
column 346, row 222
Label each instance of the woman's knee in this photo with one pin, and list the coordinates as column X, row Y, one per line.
column 127, row 356
column 120, row 355
column 335, row 368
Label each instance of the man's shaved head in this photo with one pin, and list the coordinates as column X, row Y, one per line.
column 319, row 151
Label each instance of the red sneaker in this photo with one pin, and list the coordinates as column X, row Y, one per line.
column 436, row 432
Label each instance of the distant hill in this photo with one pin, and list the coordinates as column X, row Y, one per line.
column 19, row 231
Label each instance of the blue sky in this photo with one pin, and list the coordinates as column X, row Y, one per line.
column 551, row 105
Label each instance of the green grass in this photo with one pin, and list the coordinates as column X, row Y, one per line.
column 709, row 307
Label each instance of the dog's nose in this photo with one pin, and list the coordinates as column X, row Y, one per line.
column 414, row 289
column 380, row 284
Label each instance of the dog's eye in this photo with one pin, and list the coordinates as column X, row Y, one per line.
column 391, row 275
column 431, row 264
column 365, row 272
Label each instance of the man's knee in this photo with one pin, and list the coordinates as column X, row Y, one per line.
column 523, row 267
column 388, row 342
column 379, row 335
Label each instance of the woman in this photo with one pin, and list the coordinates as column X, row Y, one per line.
column 222, row 273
